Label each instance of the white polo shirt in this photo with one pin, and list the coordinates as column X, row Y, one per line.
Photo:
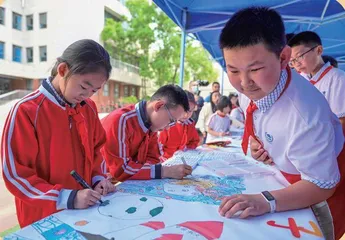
column 219, row 124
column 238, row 114
column 299, row 131
column 332, row 86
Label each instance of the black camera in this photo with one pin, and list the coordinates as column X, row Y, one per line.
column 203, row 83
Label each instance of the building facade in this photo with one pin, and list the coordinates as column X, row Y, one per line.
column 33, row 33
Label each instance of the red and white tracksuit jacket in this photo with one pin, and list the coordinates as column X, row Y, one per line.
column 42, row 142
column 131, row 150
column 181, row 136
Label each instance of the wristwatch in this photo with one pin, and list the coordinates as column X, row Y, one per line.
column 270, row 199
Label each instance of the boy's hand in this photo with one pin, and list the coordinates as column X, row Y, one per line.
column 177, row 171
column 258, row 152
column 104, row 187
column 86, row 198
column 249, row 204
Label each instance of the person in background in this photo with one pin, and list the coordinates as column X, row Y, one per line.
column 233, row 101
column 219, row 122
column 205, row 113
column 307, row 58
column 194, row 88
column 237, row 114
column 181, row 136
column 215, row 88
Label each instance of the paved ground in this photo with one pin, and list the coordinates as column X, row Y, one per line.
column 8, row 217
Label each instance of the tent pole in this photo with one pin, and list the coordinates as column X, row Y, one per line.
column 183, row 47
column 182, row 54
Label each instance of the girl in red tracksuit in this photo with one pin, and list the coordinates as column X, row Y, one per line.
column 55, row 130
column 182, row 136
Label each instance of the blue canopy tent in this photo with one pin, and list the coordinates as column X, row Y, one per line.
column 205, row 19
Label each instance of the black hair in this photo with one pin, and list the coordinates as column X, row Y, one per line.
column 307, row 38
column 224, row 102
column 231, row 95
column 173, row 95
column 331, row 60
column 190, row 97
column 83, row 57
column 254, row 25
column 214, row 83
column 213, row 106
column 289, row 36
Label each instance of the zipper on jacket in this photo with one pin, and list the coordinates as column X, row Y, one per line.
column 70, row 122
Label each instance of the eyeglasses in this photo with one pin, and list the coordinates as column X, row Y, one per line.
column 171, row 118
column 300, row 57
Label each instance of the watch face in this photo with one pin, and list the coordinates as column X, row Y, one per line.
column 268, row 196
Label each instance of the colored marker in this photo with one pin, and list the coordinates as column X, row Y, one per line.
column 184, row 161
column 82, row 182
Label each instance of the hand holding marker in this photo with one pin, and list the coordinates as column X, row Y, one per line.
column 84, row 184
column 185, row 163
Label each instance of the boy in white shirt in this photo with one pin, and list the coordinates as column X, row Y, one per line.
column 306, row 57
column 290, row 118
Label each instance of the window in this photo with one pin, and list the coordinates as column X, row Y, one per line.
column 43, row 20
column 2, row 16
column 29, row 54
column 29, row 84
column 106, row 89
column 17, row 21
column 126, row 91
column 133, row 91
column 116, row 91
column 30, row 22
column 43, row 53
column 2, row 50
column 17, row 54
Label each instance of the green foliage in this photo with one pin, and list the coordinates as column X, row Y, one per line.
column 153, row 40
column 130, row 100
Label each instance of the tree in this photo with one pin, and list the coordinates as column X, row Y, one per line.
column 153, row 40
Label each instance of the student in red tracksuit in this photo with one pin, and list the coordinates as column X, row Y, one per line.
column 55, row 130
column 182, row 136
column 131, row 150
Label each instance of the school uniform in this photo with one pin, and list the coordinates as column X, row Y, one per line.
column 204, row 116
column 179, row 137
column 131, row 150
column 218, row 123
column 44, row 139
column 304, row 138
column 238, row 114
column 330, row 81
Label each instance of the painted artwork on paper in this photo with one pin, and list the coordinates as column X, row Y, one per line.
column 202, row 189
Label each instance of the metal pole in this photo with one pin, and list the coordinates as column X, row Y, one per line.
column 182, row 54
column 183, row 46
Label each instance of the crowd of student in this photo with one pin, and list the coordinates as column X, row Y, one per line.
column 294, row 118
